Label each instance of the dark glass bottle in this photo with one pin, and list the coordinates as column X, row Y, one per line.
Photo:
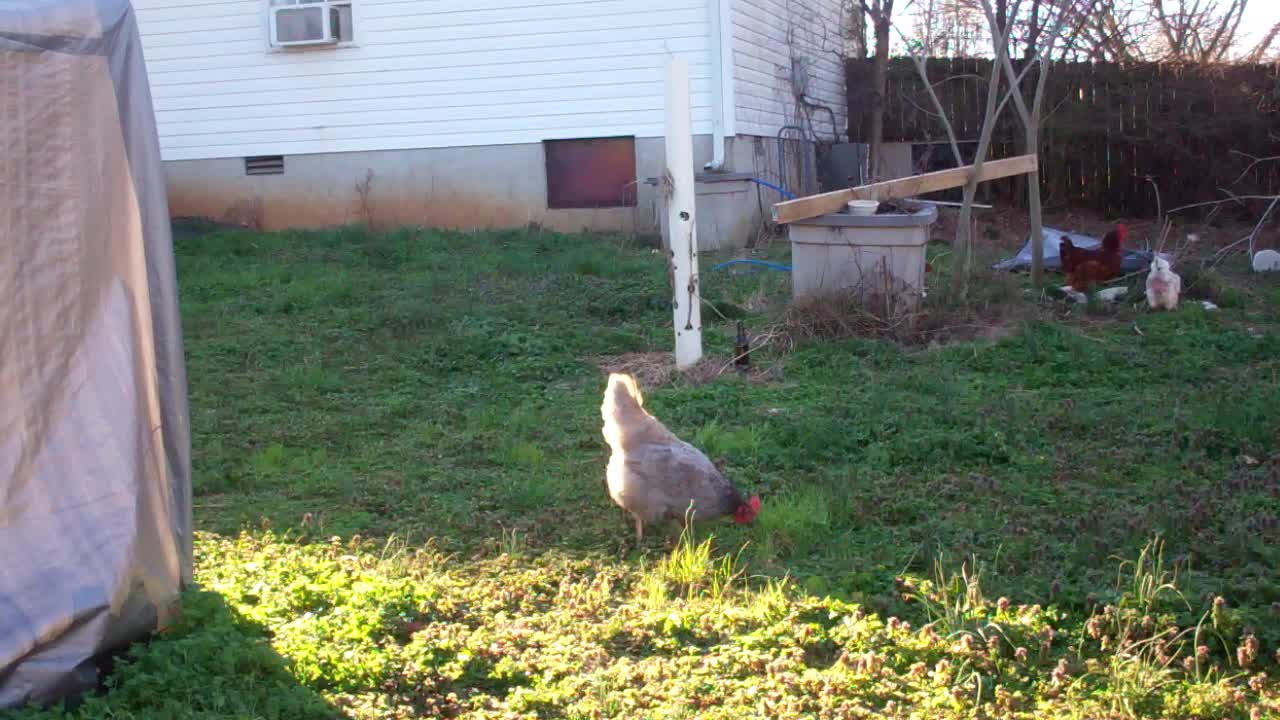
column 742, row 349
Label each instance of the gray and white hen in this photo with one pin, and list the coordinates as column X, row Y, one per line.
column 654, row 475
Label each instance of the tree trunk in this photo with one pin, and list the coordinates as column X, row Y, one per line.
column 963, row 249
column 1035, row 27
column 879, row 78
column 1032, row 145
column 1033, row 180
column 859, row 30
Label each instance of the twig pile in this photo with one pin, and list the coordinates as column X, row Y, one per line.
column 655, row 369
column 843, row 315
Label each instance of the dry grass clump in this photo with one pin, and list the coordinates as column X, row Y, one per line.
column 651, row 369
column 841, row 315
column 994, row 305
column 655, row 369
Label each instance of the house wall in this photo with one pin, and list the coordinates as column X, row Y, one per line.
column 445, row 104
column 771, row 37
column 468, row 188
column 437, row 74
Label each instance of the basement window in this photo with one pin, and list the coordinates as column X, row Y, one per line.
column 591, row 173
column 264, row 165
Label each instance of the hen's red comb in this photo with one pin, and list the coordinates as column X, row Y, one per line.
column 754, row 503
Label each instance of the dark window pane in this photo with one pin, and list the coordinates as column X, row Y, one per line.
column 342, row 23
column 294, row 25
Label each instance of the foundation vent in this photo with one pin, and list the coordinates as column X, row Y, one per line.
column 264, row 165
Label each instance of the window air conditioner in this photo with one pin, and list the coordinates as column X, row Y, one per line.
column 304, row 23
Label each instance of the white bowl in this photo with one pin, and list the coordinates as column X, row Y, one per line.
column 863, row 207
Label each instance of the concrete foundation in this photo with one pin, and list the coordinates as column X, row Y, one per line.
column 473, row 188
column 728, row 210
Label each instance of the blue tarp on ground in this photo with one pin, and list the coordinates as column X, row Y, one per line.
column 1133, row 260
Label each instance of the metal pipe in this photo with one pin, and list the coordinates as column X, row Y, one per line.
column 782, row 156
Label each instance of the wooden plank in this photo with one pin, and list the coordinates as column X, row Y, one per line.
column 815, row 205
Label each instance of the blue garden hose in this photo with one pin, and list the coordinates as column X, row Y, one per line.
column 762, row 263
column 786, row 194
column 746, row 261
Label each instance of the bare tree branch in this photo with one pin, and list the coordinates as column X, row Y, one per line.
column 1256, row 162
column 964, row 228
column 1232, row 199
column 1201, row 31
column 919, row 61
column 1259, row 52
column 1253, row 236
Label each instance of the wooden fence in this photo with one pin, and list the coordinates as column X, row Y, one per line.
column 1107, row 129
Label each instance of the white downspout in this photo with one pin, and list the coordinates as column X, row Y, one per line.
column 723, row 112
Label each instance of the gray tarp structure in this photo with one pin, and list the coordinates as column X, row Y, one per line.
column 1131, row 260
column 95, row 480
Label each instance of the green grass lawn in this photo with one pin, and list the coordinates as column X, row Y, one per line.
column 400, row 495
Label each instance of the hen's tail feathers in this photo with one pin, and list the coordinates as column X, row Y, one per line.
column 1112, row 241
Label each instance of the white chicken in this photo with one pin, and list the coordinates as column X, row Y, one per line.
column 1163, row 285
column 654, row 475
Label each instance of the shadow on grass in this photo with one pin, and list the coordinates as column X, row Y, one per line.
column 214, row 663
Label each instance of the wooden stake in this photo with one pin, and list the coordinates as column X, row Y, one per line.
column 681, row 216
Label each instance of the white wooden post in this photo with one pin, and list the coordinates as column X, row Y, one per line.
column 681, row 216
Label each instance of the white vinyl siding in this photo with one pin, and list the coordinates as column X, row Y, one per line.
column 767, row 35
column 420, row 74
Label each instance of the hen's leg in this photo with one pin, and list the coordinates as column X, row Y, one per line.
column 639, row 530
column 676, row 530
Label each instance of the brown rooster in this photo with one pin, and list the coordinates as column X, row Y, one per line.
column 1089, row 274
column 653, row 474
column 1108, row 255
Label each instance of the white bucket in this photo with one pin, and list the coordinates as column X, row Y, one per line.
column 863, row 207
